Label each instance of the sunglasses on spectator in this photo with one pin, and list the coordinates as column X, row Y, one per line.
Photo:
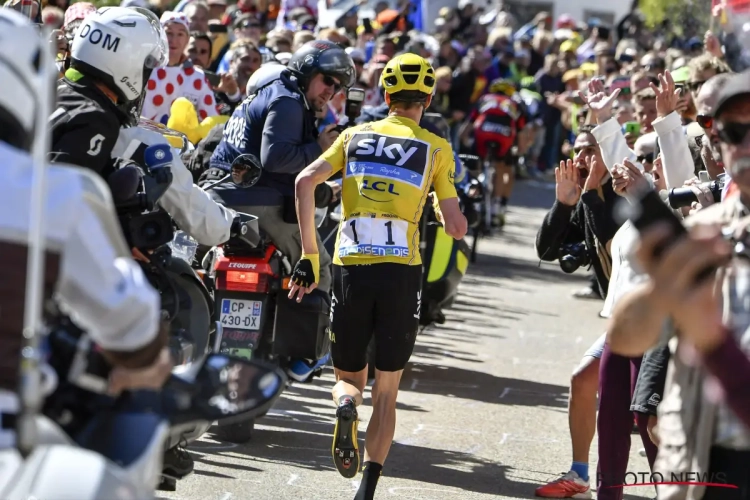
column 647, row 158
column 331, row 82
column 732, row 132
column 248, row 25
column 705, row 121
column 695, row 86
column 196, row 51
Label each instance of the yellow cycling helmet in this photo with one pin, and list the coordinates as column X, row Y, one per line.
column 408, row 77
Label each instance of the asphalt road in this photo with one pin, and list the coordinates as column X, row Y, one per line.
column 482, row 410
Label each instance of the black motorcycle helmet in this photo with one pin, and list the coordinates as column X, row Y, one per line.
column 322, row 56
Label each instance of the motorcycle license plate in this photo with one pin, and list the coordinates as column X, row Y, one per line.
column 241, row 314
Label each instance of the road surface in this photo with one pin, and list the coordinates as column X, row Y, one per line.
column 482, row 411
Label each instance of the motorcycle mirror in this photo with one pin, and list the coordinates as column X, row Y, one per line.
column 235, row 389
column 246, row 170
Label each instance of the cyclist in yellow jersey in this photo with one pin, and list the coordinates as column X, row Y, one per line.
column 389, row 167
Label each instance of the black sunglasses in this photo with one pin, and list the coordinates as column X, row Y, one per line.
column 331, row 82
column 732, row 132
column 647, row 158
column 705, row 121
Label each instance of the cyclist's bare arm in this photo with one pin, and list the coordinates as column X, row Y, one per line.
column 307, row 180
column 454, row 222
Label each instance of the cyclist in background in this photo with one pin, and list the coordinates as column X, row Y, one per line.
column 388, row 168
column 496, row 122
column 533, row 134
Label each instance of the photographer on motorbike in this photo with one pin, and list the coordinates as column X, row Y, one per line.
column 277, row 125
column 99, row 105
column 88, row 267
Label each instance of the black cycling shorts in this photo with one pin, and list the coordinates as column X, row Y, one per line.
column 376, row 299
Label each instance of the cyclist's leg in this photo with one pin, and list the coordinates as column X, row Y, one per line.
column 396, row 326
column 352, row 311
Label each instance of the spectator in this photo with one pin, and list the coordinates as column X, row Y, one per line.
column 181, row 78
column 644, row 103
column 198, row 14
column 199, row 49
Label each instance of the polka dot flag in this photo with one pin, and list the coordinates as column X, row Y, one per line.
column 167, row 84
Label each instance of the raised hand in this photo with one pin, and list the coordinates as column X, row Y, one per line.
column 599, row 101
column 667, row 98
column 567, row 188
column 628, row 178
column 597, row 172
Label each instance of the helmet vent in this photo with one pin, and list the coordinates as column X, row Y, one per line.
column 411, row 79
column 411, row 68
column 390, row 80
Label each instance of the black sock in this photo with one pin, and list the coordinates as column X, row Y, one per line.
column 504, row 201
column 370, row 475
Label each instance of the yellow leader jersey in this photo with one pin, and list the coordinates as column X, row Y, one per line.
column 388, row 167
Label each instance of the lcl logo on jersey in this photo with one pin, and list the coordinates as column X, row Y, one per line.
column 392, row 159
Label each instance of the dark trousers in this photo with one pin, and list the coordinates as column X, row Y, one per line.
column 729, row 467
column 617, row 378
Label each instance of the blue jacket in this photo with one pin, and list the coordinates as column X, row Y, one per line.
column 277, row 126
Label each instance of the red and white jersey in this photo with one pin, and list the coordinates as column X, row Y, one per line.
column 167, row 84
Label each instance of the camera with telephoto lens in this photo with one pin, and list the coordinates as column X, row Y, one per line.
column 574, row 255
column 355, row 99
column 684, row 197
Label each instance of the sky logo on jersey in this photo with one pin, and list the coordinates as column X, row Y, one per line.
column 393, row 158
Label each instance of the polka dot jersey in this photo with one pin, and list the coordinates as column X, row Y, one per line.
column 167, row 84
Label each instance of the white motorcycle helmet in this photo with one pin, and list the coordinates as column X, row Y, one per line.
column 120, row 47
column 23, row 79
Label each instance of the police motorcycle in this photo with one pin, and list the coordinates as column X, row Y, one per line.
column 120, row 441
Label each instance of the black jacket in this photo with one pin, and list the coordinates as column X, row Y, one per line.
column 591, row 221
column 85, row 126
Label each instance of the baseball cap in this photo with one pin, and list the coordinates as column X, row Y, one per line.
column 737, row 86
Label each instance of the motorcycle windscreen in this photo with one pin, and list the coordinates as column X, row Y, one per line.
column 121, row 437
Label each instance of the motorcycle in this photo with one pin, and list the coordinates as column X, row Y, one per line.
column 120, row 442
column 249, row 277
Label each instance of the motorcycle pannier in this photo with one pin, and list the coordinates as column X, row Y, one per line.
column 301, row 329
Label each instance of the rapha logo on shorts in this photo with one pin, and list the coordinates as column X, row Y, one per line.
column 394, row 158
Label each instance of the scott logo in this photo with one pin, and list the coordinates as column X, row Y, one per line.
column 241, row 265
column 377, row 148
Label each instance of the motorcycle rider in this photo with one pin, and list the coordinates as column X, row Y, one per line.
column 94, row 126
column 277, row 125
column 88, row 267
column 99, row 105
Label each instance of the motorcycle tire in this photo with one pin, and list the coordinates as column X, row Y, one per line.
column 239, row 432
column 474, row 244
column 196, row 319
